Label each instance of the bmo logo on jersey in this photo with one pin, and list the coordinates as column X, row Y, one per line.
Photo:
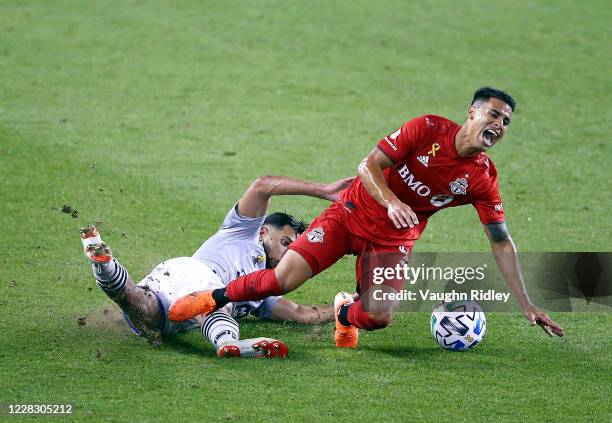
column 417, row 186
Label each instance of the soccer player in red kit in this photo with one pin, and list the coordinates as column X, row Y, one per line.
column 429, row 164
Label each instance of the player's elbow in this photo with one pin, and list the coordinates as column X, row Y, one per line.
column 264, row 184
column 363, row 169
column 373, row 163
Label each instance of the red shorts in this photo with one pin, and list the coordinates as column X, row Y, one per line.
column 328, row 239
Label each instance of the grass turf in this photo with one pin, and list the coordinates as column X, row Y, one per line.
column 154, row 117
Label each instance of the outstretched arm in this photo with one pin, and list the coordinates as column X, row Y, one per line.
column 286, row 310
column 508, row 264
column 255, row 201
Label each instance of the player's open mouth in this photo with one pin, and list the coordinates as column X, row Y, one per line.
column 489, row 136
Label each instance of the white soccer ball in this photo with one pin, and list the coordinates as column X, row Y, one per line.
column 459, row 325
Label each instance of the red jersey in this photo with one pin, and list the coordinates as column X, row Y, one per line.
column 428, row 175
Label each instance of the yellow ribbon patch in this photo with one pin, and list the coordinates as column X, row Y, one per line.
column 434, row 147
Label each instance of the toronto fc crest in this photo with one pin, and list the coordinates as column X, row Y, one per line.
column 316, row 235
column 459, row 186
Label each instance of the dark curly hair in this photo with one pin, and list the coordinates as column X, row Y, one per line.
column 485, row 93
column 280, row 220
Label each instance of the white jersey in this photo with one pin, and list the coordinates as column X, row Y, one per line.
column 233, row 251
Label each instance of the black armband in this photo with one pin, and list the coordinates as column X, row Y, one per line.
column 499, row 231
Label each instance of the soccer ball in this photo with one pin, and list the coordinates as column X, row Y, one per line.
column 459, row 325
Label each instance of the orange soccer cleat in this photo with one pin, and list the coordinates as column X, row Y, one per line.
column 99, row 253
column 346, row 336
column 191, row 305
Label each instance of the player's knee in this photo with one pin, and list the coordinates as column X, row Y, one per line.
column 292, row 272
column 142, row 306
column 381, row 320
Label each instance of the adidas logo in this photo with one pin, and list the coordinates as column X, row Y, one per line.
column 424, row 160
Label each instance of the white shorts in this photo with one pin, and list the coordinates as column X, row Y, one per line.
column 173, row 279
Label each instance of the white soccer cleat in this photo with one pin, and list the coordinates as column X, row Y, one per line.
column 90, row 236
column 255, row 347
column 95, row 249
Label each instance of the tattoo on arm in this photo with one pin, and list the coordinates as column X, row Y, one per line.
column 498, row 231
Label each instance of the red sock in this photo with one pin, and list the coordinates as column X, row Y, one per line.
column 360, row 319
column 254, row 286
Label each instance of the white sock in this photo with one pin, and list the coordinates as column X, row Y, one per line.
column 220, row 328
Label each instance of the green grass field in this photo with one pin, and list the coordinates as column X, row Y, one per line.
column 153, row 117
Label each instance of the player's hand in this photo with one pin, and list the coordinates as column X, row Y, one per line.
column 538, row 317
column 402, row 215
column 332, row 191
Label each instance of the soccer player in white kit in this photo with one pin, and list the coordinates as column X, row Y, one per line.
column 247, row 241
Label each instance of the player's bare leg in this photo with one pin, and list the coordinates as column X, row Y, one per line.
column 138, row 303
column 291, row 273
column 354, row 315
column 370, row 312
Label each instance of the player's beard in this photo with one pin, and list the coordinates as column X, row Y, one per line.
column 270, row 262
